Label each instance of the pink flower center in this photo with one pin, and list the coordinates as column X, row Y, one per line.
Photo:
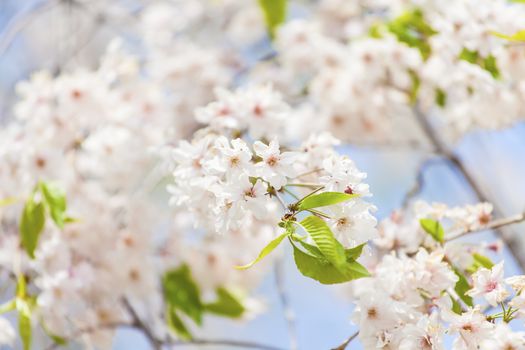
column 491, row 286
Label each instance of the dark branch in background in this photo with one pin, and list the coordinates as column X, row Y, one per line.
column 139, row 324
column 346, row 342
column 419, row 183
column 456, row 162
column 20, row 22
column 218, row 342
column 288, row 312
column 494, row 224
column 163, row 344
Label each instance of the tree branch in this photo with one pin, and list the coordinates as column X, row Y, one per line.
column 139, row 324
column 346, row 342
column 224, row 342
column 493, row 225
column 452, row 159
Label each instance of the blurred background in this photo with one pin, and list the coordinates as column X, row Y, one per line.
column 57, row 34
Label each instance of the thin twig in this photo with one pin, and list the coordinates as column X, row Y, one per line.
column 347, row 341
column 223, row 342
column 139, row 324
column 308, row 173
column 452, row 159
column 178, row 343
column 280, row 200
column 418, row 185
column 306, row 184
column 20, row 22
column 493, row 225
column 288, row 312
column 88, row 330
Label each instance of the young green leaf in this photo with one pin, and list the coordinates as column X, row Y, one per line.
column 31, row 225
column 483, row 260
column 265, row 251
column 227, row 304
column 462, row 286
column 24, row 322
column 324, row 239
column 441, row 98
column 176, row 324
column 24, row 328
column 354, row 253
column 433, row 228
column 8, row 306
column 518, row 36
column 274, row 14
column 57, row 340
column 488, row 63
column 7, row 201
column 412, row 29
column 324, row 272
column 55, row 199
column 456, row 307
column 182, row 293
column 324, row 199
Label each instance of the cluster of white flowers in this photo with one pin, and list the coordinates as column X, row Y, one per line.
column 421, row 290
column 402, row 230
column 231, row 185
column 364, row 88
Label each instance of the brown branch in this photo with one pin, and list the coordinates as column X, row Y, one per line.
column 224, row 342
column 201, row 342
column 419, row 182
column 442, row 149
column 346, row 342
column 493, row 225
column 139, row 324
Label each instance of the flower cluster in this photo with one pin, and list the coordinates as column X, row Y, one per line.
column 441, row 57
column 424, row 286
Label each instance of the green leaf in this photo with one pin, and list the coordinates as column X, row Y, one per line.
column 324, row 199
column 7, row 201
column 176, row 324
column 483, row 260
column 518, row 36
column 488, row 63
column 456, row 307
column 412, row 29
column 24, row 323
column 324, row 272
column 469, row 56
column 462, row 286
column 24, row 329
column 31, row 225
column 182, row 293
column 324, row 239
column 227, row 304
column 274, row 14
column 8, row 306
column 55, row 199
column 312, row 250
column 265, row 251
column 58, row 340
column 416, row 84
column 433, row 228
column 21, row 287
column 354, row 253
column 441, row 98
